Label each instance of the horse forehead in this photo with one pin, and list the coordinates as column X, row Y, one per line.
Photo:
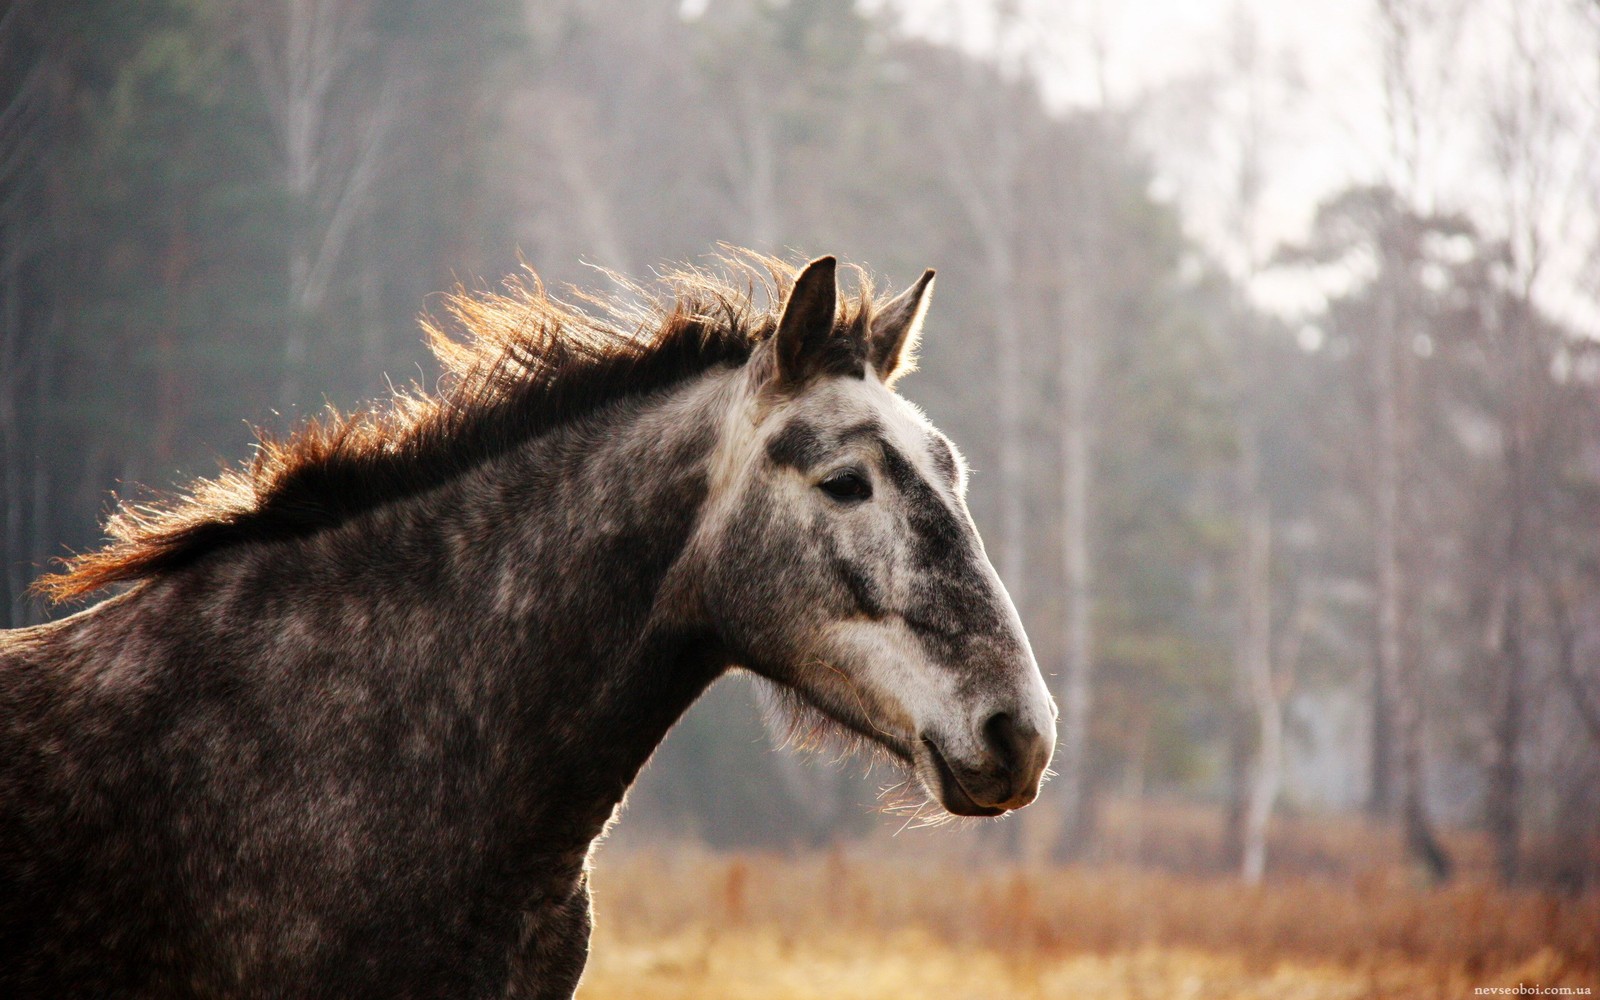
column 850, row 403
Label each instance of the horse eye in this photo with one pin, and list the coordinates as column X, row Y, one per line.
column 846, row 484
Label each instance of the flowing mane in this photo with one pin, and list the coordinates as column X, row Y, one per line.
column 363, row 746
column 515, row 364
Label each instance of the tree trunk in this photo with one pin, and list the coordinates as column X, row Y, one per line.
column 1386, row 558
column 1073, row 838
column 13, row 543
column 1380, row 746
column 1239, row 746
column 1404, row 684
column 23, row 76
column 304, row 52
column 1252, row 632
column 1504, row 774
column 1504, row 791
column 1010, row 393
column 1255, row 658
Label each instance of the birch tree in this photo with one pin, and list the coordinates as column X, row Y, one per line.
column 1077, row 378
column 1245, row 109
column 988, row 121
column 1415, row 41
column 1081, row 321
column 1263, row 684
column 334, row 98
column 592, row 122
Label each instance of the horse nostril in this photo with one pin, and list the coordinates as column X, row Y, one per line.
column 1003, row 739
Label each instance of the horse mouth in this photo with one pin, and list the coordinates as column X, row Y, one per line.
column 952, row 795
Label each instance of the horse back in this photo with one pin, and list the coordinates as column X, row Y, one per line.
column 179, row 819
column 81, row 876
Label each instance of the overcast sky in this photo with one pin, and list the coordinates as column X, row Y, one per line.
column 1325, row 120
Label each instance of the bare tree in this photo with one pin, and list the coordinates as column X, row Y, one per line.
column 1251, row 102
column 334, row 103
column 1416, row 38
column 29, row 87
column 982, row 142
column 1531, row 125
column 1253, row 642
column 746, row 142
column 1079, row 363
column 1081, row 320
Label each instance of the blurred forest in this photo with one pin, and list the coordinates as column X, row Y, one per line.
column 1276, row 562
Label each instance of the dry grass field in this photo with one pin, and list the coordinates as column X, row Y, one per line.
column 925, row 919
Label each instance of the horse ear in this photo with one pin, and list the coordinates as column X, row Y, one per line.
column 896, row 329
column 807, row 323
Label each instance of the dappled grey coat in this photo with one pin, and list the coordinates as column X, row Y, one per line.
column 365, row 705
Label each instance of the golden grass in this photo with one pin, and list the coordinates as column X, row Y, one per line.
column 687, row 924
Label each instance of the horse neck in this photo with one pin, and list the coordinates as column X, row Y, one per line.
column 574, row 546
column 538, row 599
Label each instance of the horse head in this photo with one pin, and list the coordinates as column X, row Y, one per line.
column 842, row 564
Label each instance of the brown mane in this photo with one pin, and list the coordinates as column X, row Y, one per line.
column 515, row 364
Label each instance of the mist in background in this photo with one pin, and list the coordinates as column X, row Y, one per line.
column 1270, row 334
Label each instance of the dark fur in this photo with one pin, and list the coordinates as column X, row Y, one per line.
column 354, row 727
column 797, row 446
column 325, row 766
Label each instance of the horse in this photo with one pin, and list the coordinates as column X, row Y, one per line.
column 359, row 709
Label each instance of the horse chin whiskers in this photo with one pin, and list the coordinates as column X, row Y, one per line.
column 829, row 729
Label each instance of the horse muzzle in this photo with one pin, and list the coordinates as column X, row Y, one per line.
column 1001, row 770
